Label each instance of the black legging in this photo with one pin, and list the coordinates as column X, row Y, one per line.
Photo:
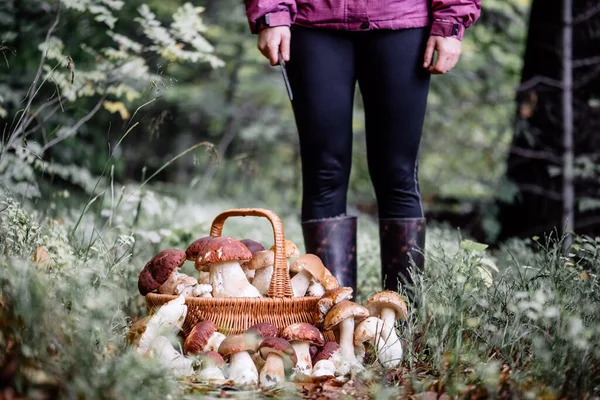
column 323, row 69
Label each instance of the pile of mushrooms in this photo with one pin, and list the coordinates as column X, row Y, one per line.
column 264, row 355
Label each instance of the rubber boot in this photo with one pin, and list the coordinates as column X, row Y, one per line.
column 334, row 241
column 402, row 240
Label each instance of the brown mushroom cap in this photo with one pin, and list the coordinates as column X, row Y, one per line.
column 252, row 245
column 264, row 329
column 242, row 342
column 334, row 296
column 261, row 259
column 326, row 352
column 310, row 263
column 291, row 250
column 343, row 310
column 221, row 249
column 211, row 358
column 330, row 282
column 158, row 269
column 197, row 247
column 279, row 346
column 387, row 299
column 198, row 337
column 304, row 332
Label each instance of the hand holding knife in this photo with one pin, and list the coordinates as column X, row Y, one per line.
column 285, row 77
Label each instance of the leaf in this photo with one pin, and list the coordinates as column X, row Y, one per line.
column 473, row 246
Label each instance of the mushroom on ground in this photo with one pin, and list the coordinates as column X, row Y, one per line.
column 330, row 298
column 323, row 365
column 238, row 348
column 162, row 349
column 204, row 336
column 344, row 315
column 161, row 272
column 301, row 335
column 264, row 330
column 262, row 263
column 221, row 255
column 307, row 268
column 211, row 366
column 369, row 331
column 253, row 246
column 279, row 355
column 389, row 306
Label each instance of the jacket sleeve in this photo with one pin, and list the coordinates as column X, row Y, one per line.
column 452, row 17
column 281, row 12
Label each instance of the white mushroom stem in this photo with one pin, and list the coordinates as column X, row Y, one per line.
column 273, row 372
column 262, row 279
column 347, row 340
column 211, row 373
column 316, row 289
column 202, row 290
column 163, row 350
column 214, row 342
column 250, row 273
column 300, row 283
column 324, row 368
column 228, row 280
column 390, row 349
column 242, row 369
column 302, row 349
column 388, row 316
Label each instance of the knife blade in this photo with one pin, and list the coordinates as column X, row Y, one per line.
column 285, row 77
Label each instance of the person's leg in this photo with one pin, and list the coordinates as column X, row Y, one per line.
column 323, row 81
column 394, row 87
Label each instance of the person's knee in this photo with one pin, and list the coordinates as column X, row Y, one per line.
column 400, row 179
column 327, row 177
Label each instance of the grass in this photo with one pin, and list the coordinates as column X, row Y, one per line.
column 529, row 330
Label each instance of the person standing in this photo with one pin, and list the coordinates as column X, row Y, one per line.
column 390, row 48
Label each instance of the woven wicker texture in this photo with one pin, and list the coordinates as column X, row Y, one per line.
column 234, row 315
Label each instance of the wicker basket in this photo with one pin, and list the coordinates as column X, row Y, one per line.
column 234, row 315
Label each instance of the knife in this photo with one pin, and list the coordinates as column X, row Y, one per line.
column 285, row 77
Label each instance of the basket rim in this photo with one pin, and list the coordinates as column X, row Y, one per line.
column 168, row 297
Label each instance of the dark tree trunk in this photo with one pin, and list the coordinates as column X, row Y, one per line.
column 535, row 163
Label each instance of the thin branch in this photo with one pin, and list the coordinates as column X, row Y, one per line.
column 586, row 62
column 536, row 80
column 75, row 127
column 536, row 154
column 588, row 14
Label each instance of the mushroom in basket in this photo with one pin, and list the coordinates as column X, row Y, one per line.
column 161, row 272
column 254, row 247
column 279, row 355
column 238, row 348
column 262, row 265
column 221, row 256
column 308, row 267
column 301, row 335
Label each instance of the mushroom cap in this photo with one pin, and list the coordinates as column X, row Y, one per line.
column 304, row 332
column 158, row 269
column 367, row 330
column 265, row 329
column 279, row 346
column 326, row 352
column 198, row 337
column 310, row 263
column 221, row 249
column 211, row 358
column 343, row 310
column 334, row 296
column 387, row 299
column 242, row 342
column 261, row 259
column 197, row 247
column 252, row 245
column 291, row 250
column 330, row 282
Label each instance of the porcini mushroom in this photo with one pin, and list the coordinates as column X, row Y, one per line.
column 301, row 335
column 262, row 263
column 323, row 365
column 264, row 330
column 291, row 251
column 238, row 348
column 211, row 366
column 389, row 306
column 204, row 336
column 162, row 349
column 331, row 298
column 221, row 256
column 369, row 331
column 345, row 314
column 253, row 246
column 161, row 272
column 307, row 268
column 279, row 355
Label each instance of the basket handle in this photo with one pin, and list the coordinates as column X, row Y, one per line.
column 280, row 281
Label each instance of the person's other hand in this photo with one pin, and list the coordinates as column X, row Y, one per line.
column 448, row 52
column 273, row 40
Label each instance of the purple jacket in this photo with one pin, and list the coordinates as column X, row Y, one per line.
column 446, row 17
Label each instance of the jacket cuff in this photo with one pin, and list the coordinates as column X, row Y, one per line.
column 447, row 28
column 277, row 18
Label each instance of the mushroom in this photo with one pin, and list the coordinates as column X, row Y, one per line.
column 212, row 364
column 203, row 337
column 262, row 263
column 369, row 331
column 221, row 255
column 253, row 246
column 238, row 348
column 345, row 314
column 389, row 306
column 323, row 365
column 279, row 355
column 301, row 335
column 307, row 267
column 162, row 349
column 202, row 290
column 161, row 272
column 264, row 330
column 331, row 298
